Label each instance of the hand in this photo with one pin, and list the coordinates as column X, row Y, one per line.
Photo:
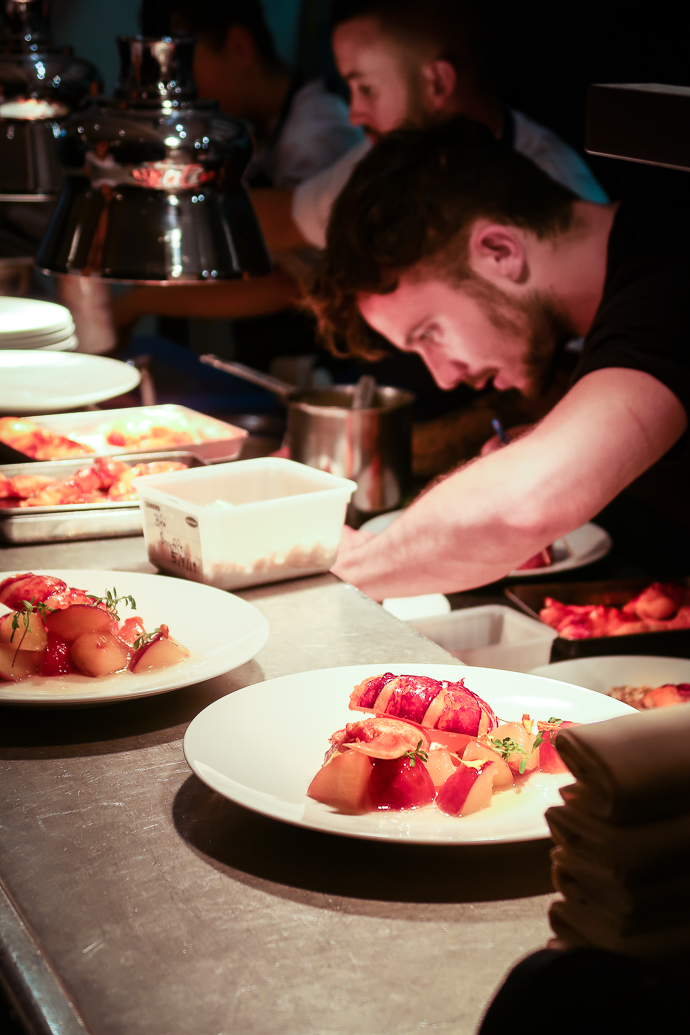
column 495, row 443
column 350, row 538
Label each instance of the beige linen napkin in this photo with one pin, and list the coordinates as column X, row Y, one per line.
column 646, row 907
column 635, row 768
column 576, row 928
column 632, row 855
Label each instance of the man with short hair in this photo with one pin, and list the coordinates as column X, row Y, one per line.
column 419, row 62
column 454, row 246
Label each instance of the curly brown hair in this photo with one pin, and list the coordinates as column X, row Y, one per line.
column 410, row 204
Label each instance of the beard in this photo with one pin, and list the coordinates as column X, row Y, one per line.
column 537, row 320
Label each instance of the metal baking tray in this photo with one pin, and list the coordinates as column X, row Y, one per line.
column 91, row 428
column 670, row 643
column 21, row 525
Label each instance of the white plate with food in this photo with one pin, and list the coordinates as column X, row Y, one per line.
column 262, row 746
column 218, row 630
column 584, row 545
column 41, row 381
column 630, row 676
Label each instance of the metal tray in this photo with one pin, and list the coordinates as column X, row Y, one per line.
column 19, row 525
column 530, row 599
column 92, row 427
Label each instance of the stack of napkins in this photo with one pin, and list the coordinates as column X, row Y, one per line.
column 622, row 854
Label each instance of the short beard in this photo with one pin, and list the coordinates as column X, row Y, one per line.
column 537, row 319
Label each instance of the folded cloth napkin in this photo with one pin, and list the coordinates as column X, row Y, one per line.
column 588, row 927
column 632, row 856
column 643, row 908
column 635, row 768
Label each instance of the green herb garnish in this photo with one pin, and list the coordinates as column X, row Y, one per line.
column 508, row 746
column 22, row 614
column 145, row 638
column 111, row 601
column 417, row 753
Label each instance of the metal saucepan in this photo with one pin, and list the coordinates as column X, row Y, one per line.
column 329, row 428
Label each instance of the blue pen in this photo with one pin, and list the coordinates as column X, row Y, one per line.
column 498, row 428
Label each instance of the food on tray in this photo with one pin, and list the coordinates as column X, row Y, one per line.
column 39, row 443
column 642, row 697
column 660, row 606
column 158, row 436
column 429, row 742
column 106, row 480
column 54, row 630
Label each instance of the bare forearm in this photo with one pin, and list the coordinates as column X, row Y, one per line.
column 224, row 300
column 485, row 520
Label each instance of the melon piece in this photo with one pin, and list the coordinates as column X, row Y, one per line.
column 524, row 742
column 99, row 654
column 55, row 660
column 468, row 790
column 161, row 652
column 440, row 765
column 33, row 638
column 74, row 621
column 343, row 781
column 549, row 759
column 476, row 752
column 18, row 664
column 400, row 783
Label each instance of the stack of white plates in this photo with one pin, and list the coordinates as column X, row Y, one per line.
column 27, row 323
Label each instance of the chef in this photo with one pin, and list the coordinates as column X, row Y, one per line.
column 405, row 62
column 452, row 245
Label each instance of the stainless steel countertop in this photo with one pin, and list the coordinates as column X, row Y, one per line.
column 139, row 902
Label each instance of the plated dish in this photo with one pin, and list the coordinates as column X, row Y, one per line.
column 40, row 381
column 620, row 671
column 262, row 746
column 583, row 546
column 220, row 632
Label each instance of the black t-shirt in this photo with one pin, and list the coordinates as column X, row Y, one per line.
column 643, row 321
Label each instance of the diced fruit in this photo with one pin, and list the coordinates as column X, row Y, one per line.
column 78, row 619
column 441, row 765
column 400, row 783
column 130, row 631
column 55, row 660
column 343, row 781
column 516, row 732
column 549, row 759
column 161, row 652
column 476, row 752
column 456, row 742
column 468, row 790
column 99, row 654
column 18, row 588
column 18, row 664
column 33, row 638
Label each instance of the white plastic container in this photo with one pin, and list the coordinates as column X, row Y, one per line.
column 491, row 636
column 283, row 521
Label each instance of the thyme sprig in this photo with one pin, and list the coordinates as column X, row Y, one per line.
column 141, row 641
column 22, row 615
column 417, row 753
column 111, row 601
column 508, row 747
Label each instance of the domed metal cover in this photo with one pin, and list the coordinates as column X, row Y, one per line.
column 40, row 84
column 156, row 190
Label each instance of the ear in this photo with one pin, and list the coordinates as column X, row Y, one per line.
column 439, row 80
column 497, row 252
column 240, row 46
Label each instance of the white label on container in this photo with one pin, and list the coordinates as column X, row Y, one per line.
column 173, row 537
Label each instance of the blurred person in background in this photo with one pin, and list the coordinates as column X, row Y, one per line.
column 453, row 246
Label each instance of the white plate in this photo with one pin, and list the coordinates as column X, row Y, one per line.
column 602, row 673
column 585, row 545
column 221, row 631
column 31, row 317
column 262, row 745
column 40, row 381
